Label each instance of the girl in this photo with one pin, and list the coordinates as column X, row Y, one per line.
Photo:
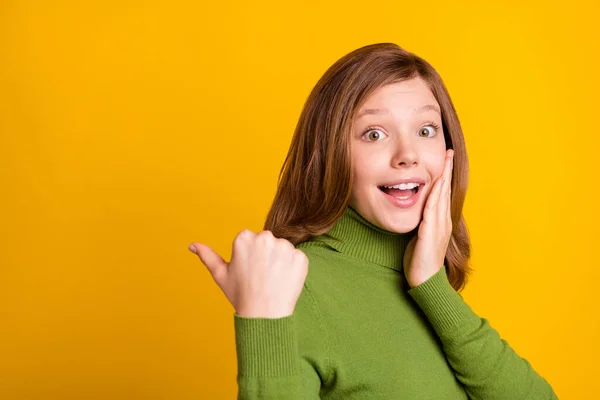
column 371, row 195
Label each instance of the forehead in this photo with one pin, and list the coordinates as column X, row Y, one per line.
column 406, row 94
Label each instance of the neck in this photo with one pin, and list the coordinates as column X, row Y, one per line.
column 355, row 236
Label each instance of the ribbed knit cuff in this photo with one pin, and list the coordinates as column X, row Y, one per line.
column 266, row 346
column 444, row 307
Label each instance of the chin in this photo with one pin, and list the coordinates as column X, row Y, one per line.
column 388, row 219
column 400, row 226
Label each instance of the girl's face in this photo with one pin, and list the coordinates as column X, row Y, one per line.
column 397, row 134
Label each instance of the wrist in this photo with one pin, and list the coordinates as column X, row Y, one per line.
column 262, row 313
column 418, row 280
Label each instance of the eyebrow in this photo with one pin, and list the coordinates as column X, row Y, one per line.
column 375, row 111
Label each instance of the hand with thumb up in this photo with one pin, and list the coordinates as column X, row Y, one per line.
column 265, row 276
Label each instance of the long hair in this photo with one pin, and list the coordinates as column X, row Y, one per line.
column 314, row 185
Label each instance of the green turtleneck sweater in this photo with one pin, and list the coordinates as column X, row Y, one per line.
column 360, row 332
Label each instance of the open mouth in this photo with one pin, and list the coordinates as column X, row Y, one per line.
column 400, row 193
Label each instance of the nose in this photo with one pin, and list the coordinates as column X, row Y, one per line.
column 405, row 153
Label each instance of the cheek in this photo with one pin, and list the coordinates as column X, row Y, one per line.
column 360, row 178
column 436, row 164
column 367, row 171
column 360, row 169
column 439, row 170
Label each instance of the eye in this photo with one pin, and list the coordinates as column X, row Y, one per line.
column 373, row 134
column 435, row 127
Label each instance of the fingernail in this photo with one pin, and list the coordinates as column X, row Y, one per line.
column 192, row 248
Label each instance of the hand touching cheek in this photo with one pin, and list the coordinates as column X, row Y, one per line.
column 426, row 251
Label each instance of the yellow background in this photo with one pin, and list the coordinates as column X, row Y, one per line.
column 130, row 129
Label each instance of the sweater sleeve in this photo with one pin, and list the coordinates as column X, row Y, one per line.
column 484, row 363
column 281, row 358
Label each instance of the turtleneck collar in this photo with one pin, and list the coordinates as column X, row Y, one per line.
column 357, row 237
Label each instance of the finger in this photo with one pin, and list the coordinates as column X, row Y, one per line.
column 447, row 208
column 448, row 185
column 434, row 196
column 440, row 202
column 240, row 243
column 448, row 165
column 215, row 264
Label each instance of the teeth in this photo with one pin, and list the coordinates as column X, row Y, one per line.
column 403, row 186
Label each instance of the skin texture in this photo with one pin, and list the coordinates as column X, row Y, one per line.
column 402, row 141
column 408, row 146
column 264, row 277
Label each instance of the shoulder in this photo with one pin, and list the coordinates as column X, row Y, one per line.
column 313, row 300
column 322, row 259
column 325, row 282
column 317, row 251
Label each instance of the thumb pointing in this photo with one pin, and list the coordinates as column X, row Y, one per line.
column 215, row 263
